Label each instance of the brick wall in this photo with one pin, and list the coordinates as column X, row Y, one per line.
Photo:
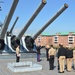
column 50, row 40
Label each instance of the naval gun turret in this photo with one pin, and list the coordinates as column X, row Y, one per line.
column 15, row 40
column 7, row 21
column 29, row 40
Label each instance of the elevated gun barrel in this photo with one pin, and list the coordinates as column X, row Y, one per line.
column 13, row 25
column 4, row 29
column 16, row 39
column 31, row 19
column 7, row 21
column 29, row 40
column 50, row 21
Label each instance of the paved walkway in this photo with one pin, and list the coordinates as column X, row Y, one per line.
column 5, row 71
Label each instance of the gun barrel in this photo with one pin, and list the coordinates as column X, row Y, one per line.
column 31, row 19
column 13, row 25
column 50, row 21
column 8, row 19
column 5, row 19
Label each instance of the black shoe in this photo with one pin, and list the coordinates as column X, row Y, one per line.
column 61, row 72
column 47, row 59
column 38, row 61
column 58, row 68
column 51, row 69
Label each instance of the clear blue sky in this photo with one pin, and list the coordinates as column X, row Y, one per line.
column 25, row 8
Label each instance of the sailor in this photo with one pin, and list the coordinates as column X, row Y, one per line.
column 51, row 53
column 17, row 48
column 47, row 49
column 74, row 57
column 69, row 57
column 17, row 53
column 61, row 57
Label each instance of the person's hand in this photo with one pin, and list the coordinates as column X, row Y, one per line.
column 49, row 57
column 19, row 55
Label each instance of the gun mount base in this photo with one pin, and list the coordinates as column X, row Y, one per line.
column 2, row 44
column 29, row 43
column 14, row 42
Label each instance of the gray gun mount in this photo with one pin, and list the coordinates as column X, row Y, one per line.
column 6, row 24
column 16, row 39
column 29, row 40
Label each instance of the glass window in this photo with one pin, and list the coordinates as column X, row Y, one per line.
column 55, row 39
column 39, row 39
column 71, row 39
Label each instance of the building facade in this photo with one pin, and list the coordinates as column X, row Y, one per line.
column 68, row 39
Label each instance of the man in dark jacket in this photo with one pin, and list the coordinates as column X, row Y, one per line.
column 47, row 49
column 61, row 57
column 69, row 58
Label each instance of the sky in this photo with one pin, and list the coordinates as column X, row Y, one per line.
column 25, row 9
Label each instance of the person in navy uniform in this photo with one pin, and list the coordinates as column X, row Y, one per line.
column 61, row 57
column 57, row 59
column 16, row 46
column 52, row 53
column 74, row 57
column 69, row 58
column 17, row 53
column 47, row 49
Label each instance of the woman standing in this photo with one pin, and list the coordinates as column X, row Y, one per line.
column 38, row 52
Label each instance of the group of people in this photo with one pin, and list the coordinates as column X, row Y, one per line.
column 65, row 57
